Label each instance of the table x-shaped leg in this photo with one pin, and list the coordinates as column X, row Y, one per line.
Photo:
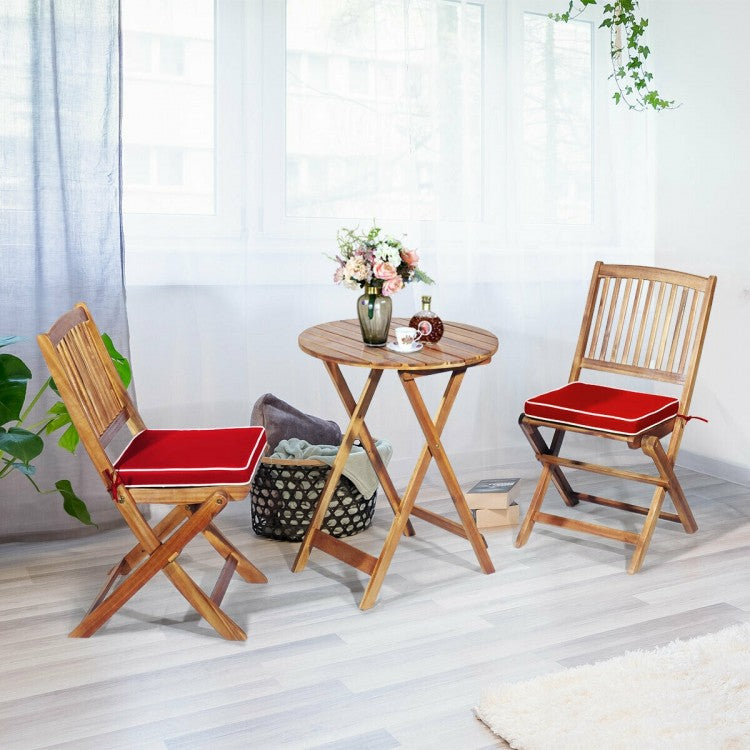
column 377, row 567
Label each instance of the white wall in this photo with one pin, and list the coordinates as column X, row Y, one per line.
column 702, row 213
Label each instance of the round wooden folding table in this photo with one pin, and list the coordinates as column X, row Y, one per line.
column 340, row 343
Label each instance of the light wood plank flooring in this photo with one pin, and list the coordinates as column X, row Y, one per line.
column 316, row 672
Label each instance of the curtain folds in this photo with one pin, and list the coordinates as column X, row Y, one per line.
column 60, row 220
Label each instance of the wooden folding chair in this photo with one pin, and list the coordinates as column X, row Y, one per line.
column 197, row 471
column 638, row 321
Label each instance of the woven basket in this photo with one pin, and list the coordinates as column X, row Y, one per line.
column 284, row 494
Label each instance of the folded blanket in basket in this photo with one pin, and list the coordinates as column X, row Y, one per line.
column 357, row 468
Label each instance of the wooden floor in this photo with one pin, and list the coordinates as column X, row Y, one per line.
column 316, row 672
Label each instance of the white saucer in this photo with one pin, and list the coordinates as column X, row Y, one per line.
column 394, row 347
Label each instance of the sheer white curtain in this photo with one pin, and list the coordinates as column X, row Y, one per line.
column 60, row 238
column 480, row 130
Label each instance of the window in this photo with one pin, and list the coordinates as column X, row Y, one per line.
column 383, row 109
column 168, row 106
column 556, row 172
column 256, row 129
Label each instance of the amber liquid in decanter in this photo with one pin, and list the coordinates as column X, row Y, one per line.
column 427, row 322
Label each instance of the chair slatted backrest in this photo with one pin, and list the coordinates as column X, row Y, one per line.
column 98, row 404
column 646, row 322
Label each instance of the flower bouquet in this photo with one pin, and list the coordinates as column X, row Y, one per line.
column 381, row 266
column 371, row 260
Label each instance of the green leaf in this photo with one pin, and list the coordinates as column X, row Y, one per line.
column 121, row 363
column 26, row 469
column 422, row 276
column 69, row 439
column 58, row 408
column 72, row 504
column 14, row 377
column 20, row 443
column 55, row 424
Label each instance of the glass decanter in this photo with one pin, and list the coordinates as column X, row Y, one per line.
column 427, row 322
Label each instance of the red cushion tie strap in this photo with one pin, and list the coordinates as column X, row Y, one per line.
column 688, row 418
column 114, row 481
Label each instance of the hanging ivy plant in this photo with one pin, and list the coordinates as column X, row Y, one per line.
column 627, row 50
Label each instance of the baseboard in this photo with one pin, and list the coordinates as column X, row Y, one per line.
column 714, row 467
column 519, row 460
column 516, row 460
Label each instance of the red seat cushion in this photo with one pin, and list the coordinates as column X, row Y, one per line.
column 601, row 408
column 190, row 458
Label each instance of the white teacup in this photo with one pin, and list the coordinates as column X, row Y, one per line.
column 406, row 337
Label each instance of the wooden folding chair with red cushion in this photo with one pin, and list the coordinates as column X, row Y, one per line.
column 638, row 321
column 197, row 471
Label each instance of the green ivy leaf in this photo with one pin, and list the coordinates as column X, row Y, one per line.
column 629, row 56
column 14, row 378
column 20, row 443
column 72, row 504
column 69, row 439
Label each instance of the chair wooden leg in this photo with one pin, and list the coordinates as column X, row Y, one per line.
column 540, row 447
column 652, row 447
column 225, row 548
column 121, row 569
column 534, row 506
column 203, row 604
column 647, row 532
column 222, row 582
column 162, row 530
column 157, row 560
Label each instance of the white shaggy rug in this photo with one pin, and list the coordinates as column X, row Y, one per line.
column 688, row 695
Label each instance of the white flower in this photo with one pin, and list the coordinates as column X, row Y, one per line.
column 387, row 254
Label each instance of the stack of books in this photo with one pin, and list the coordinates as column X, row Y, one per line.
column 492, row 502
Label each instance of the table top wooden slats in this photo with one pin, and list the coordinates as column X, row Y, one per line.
column 340, row 341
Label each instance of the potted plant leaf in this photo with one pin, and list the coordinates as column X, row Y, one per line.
column 22, row 442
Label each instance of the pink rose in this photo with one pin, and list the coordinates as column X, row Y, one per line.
column 410, row 257
column 384, row 271
column 391, row 286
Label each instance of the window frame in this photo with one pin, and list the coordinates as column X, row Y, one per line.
column 145, row 230
column 278, row 226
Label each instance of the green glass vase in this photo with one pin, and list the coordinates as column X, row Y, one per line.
column 374, row 312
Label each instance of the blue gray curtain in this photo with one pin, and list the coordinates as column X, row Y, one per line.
column 60, row 222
